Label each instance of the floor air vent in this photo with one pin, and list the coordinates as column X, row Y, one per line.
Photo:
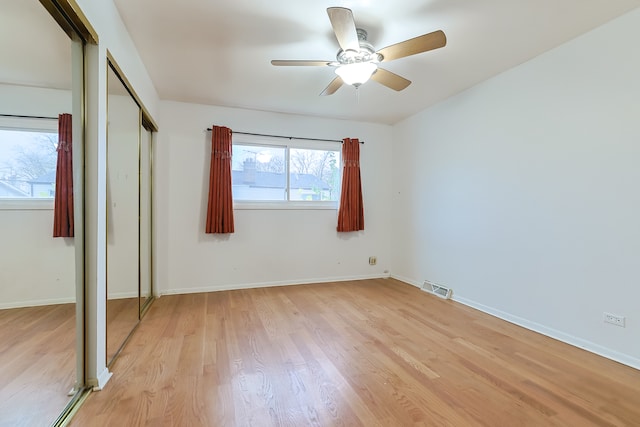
column 438, row 290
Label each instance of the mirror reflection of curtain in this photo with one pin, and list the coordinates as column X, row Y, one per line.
column 63, row 197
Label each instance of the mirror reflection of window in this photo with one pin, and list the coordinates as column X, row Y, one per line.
column 28, row 162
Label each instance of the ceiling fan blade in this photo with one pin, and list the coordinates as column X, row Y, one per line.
column 333, row 87
column 286, row 63
column 390, row 80
column 344, row 27
column 415, row 45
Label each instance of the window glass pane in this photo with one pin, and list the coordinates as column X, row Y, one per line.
column 314, row 174
column 27, row 163
column 259, row 172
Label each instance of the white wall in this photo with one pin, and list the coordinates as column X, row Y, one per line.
column 269, row 246
column 35, row 268
column 522, row 193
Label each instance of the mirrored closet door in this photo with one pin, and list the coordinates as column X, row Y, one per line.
column 41, row 276
column 129, row 288
column 146, row 277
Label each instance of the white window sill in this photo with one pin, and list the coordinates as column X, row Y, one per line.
column 242, row 205
column 26, row 204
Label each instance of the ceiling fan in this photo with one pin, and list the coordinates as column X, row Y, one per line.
column 357, row 61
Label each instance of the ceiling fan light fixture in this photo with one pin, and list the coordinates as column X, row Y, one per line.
column 356, row 73
column 357, row 60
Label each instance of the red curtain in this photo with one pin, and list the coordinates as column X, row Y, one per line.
column 220, row 207
column 63, row 202
column 351, row 210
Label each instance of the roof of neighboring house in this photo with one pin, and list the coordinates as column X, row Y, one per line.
column 278, row 180
column 8, row 190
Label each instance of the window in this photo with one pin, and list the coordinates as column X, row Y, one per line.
column 286, row 173
column 27, row 163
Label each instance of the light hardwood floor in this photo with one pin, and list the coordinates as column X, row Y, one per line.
column 38, row 356
column 365, row 353
column 37, row 363
column 122, row 318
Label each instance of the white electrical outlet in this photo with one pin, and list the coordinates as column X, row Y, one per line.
column 373, row 260
column 614, row 319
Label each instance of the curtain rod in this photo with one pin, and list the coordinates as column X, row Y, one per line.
column 18, row 116
column 286, row 137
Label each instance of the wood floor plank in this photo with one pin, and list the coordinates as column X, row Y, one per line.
column 37, row 363
column 363, row 353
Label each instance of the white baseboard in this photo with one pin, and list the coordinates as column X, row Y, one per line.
column 232, row 287
column 407, row 280
column 589, row 346
column 592, row 347
column 37, row 302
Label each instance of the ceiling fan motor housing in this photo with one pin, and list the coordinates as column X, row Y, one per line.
column 366, row 53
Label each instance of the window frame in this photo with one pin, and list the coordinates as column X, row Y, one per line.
column 287, row 144
column 28, row 124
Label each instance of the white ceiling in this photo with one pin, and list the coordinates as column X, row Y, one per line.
column 218, row 51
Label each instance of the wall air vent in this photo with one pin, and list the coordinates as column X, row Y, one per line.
column 438, row 290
